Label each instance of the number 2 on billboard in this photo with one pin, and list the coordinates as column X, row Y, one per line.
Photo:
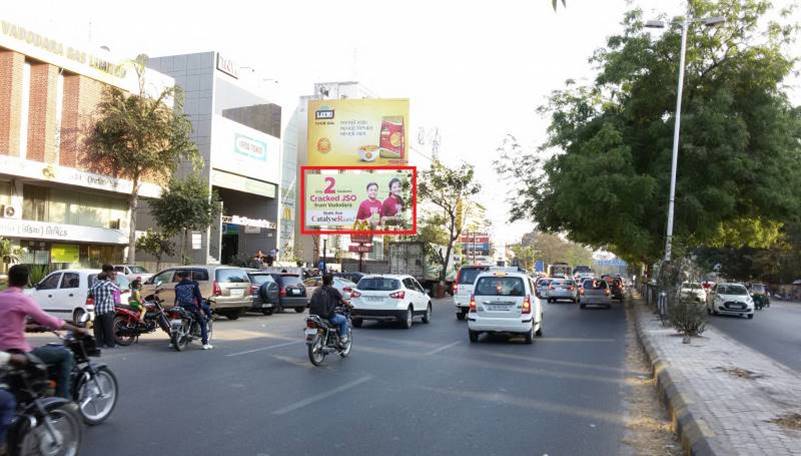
column 331, row 182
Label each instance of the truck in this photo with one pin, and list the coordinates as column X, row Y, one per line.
column 559, row 270
column 409, row 257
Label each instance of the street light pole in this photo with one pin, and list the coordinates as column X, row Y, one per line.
column 676, row 130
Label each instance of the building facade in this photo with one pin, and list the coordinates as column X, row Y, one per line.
column 238, row 133
column 51, row 204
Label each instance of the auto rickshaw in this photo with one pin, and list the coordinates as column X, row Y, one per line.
column 759, row 293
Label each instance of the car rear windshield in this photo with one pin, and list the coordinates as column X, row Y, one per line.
column 500, row 286
column 291, row 280
column 595, row 284
column 378, row 284
column 732, row 290
column 468, row 275
column 758, row 288
column 543, row 282
column 259, row 279
column 231, row 276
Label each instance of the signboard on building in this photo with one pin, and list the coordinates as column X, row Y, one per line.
column 27, row 229
column 242, row 184
column 245, row 151
column 227, row 66
column 360, row 248
column 358, row 200
column 65, row 253
column 351, row 132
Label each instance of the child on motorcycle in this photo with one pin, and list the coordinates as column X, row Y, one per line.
column 135, row 298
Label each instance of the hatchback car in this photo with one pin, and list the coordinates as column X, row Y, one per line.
column 541, row 285
column 463, row 288
column 503, row 302
column 132, row 271
column 730, row 299
column 65, row 293
column 226, row 288
column 693, row 291
column 562, row 289
column 390, row 297
column 595, row 292
column 291, row 292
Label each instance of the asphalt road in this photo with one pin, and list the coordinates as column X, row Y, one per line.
column 775, row 331
column 422, row 391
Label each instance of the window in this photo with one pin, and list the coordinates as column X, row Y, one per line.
column 592, row 284
column 468, row 275
column 231, row 276
column 378, row 284
column 293, row 280
column 137, row 270
column 50, row 282
column 500, row 286
column 409, row 284
column 419, row 287
column 120, row 269
column 737, row 290
column 34, row 203
column 259, row 279
column 163, row 277
column 71, row 280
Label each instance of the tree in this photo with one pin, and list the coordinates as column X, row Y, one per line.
column 525, row 255
column 8, row 253
column 556, row 2
column 185, row 205
column 446, row 189
column 137, row 137
column 157, row 244
column 551, row 248
column 604, row 173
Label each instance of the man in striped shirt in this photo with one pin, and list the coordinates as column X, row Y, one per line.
column 103, row 292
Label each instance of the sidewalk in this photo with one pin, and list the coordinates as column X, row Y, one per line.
column 722, row 395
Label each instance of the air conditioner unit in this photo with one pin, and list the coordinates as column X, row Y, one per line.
column 11, row 211
column 114, row 224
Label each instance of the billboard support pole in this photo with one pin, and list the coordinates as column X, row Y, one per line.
column 361, row 261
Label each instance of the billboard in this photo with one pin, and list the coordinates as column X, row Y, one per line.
column 358, row 200
column 366, row 132
column 239, row 149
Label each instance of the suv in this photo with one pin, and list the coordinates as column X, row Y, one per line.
column 132, row 271
column 291, row 292
column 390, row 297
column 226, row 288
column 264, row 291
column 504, row 302
column 463, row 288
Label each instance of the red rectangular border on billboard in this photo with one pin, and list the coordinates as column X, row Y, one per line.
column 310, row 231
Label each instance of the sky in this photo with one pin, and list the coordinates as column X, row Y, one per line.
column 475, row 70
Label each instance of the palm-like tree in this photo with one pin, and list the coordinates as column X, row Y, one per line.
column 8, row 253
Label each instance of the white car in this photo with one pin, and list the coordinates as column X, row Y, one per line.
column 389, row 297
column 730, row 299
column 693, row 291
column 463, row 288
column 132, row 271
column 64, row 293
column 504, row 302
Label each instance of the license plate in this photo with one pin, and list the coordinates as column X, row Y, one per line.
column 497, row 308
column 294, row 292
column 375, row 298
column 310, row 332
column 176, row 322
column 238, row 292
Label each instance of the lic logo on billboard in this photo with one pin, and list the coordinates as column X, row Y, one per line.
column 251, row 148
column 324, row 113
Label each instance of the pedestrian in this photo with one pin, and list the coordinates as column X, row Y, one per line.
column 270, row 258
column 103, row 292
column 257, row 262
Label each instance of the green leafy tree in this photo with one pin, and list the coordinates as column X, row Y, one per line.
column 185, row 205
column 9, row 254
column 138, row 138
column 604, row 173
column 525, row 255
column 157, row 244
column 446, row 189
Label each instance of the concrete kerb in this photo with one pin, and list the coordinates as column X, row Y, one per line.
column 694, row 434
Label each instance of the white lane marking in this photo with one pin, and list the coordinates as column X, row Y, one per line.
column 269, row 347
column 442, row 348
column 321, row 396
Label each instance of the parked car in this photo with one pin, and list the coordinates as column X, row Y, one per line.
column 730, row 299
column 351, row 276
column 390, row 297
column 595, row 292
column 132, row 271
column 65, row 293
column 760, row 295
column 463, row 288
column 694, row 291
column 226, row 288
column 263, row 291
column 503, row 302
column 541, row 287
column 564, row 289
column 291, row 292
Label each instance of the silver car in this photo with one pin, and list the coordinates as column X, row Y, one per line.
column 564, row 289
column 595, row 292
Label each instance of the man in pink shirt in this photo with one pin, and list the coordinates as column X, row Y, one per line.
column 15, row 307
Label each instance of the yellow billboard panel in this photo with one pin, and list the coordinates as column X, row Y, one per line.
column 368, row 132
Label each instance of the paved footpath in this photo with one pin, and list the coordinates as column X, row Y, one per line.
column 722, row 394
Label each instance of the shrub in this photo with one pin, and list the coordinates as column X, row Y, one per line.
column 688, row 316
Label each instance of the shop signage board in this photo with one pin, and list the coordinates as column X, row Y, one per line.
column 26, row 229
column 65, row 253
column 244, row 151
column 360, row 248
column 358, row 132
column 359, row 200
column 242, row 184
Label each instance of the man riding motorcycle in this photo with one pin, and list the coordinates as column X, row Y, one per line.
column 187, row 295
column 324, row 302
column 15, row 307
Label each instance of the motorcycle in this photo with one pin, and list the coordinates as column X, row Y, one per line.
column 184, row 327
column 322, row 338
column 43, row 424
column 128, row 327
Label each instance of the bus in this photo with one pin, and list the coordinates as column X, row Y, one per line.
column 559, row 270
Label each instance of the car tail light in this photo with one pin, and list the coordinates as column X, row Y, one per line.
column 398, row 295
column 581, row 291
column 311, row 324
column 570, row 288
column 347, row 289
column 606, row 291
column 90, row 301
column 472, row 307
column 254, row 289
column 282, row 292
column 215, row 289
column 455, row 288
column 527, row 305
column 355, row 294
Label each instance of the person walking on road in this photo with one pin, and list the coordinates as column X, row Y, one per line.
column 105, row 292
column 187, row 295
column 324, row 302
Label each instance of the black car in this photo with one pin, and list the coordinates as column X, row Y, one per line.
column 264, row 291
column 291, row 292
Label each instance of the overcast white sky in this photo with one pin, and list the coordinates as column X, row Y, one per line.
column 477, row 70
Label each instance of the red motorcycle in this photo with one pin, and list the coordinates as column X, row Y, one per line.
column 128, row 326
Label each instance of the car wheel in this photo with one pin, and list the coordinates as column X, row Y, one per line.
column 529, row 336
column 582, row 306
column 538, row 333
column 234, row 314
column 357, row 322
column 427, row 315
column 473, row 335
column 299, row 309
column 408, row 320
column 267, row 311
column 460, row 315
column 750, row 316
column 76, row 317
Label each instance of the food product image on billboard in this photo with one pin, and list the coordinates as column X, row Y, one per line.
column 368, row 132
column 358, row 200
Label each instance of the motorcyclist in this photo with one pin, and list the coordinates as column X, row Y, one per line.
column 187, row 295
column 8, row 404
column 15, row 307
column 324, row 302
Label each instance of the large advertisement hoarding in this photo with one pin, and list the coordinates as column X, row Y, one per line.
column 367, row 132
column 359, row 200
column 245, row 151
